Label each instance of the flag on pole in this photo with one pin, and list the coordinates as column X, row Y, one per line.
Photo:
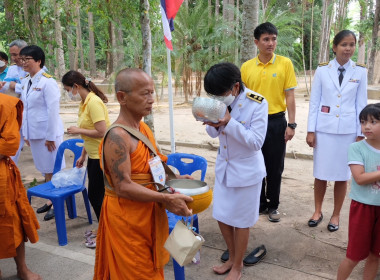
column 169, row 9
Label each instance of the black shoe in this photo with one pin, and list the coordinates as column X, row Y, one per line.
column 255, row 256
column 332, row 227
column 225, row 256
column 44, row 208
column 49, row 215
column 314, row 223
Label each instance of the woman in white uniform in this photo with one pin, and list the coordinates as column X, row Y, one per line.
column 42, row 126
column 338, row 95
column 239, row 167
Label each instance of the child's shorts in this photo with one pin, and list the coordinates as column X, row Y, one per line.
column 363, row 231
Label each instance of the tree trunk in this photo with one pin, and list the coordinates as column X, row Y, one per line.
column 250, row 20
column 114, row 47
column 147, row 49
column 324, row 42
column 361, row 41
column 375, row 30
column 58, row 40
column 311, row 39
column 120, row 43
column 91, row 39
column 217, row 9
column 9, row 17
column 78, row 48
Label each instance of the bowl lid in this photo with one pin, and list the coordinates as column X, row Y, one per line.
column 188, row 186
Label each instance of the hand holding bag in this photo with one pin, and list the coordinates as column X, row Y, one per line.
column 183, row 243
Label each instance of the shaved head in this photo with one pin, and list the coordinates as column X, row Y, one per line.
column 126, row 79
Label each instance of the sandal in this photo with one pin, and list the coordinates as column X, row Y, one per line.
column 90, row 243
column 89, row 234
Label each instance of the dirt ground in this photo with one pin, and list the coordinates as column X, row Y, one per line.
column 294, row 251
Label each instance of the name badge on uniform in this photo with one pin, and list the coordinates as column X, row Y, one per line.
column 157, row 170
column 37, row 89
column 325, row 109
column 353, row 81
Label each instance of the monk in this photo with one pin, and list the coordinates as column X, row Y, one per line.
column 18, row 223
column 133, row 224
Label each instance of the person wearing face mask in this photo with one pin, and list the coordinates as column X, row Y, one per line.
column 42, row 126
column 3, row 65
column 93, row 122
column 239, row 167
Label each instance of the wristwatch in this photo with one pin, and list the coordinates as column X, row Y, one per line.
column 292, row 125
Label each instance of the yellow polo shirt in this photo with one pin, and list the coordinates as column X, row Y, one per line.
column 271, row 80
column 91, row 111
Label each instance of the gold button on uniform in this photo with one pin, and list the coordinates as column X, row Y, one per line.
column 337, row 106
column 337, row 116
column 225, row 147
column 339, row 95
column 226, row 159
column 240, row 105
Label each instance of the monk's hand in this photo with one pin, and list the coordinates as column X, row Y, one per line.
column 73, row 130
column 310, row 139
column 176, row 203
column 184, row 177
column 50, row 145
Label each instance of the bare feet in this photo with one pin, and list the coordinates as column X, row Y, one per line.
column 26, row 274
column 235, row 274
column 224, row 268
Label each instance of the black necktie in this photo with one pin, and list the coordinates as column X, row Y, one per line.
column 29, row 85
column 229, row 109
column 341, row 70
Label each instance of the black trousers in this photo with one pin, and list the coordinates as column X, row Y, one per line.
column 95, row 185
column 274, row 154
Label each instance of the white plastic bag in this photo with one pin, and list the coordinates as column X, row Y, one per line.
column 68, row 177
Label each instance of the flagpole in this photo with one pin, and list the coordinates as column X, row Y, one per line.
column 170, row 93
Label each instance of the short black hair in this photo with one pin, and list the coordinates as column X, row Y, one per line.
column 4, row 56
column 34, row 51
column 265, row 28
column 221, row 77
column 341, row 35
column 371, row 110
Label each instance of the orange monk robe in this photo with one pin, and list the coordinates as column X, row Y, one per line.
column 17, row 219
column 131, row 234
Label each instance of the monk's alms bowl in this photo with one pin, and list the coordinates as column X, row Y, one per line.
column 208, row 109
column 198, row 190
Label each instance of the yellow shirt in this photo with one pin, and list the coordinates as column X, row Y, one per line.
column 271, row 80
column 91, row 111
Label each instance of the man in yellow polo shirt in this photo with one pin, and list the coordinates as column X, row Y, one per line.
column 273, row 77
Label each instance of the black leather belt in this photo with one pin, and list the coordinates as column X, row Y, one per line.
column 276, row 116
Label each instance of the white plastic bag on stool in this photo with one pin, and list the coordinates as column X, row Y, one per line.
column 183, row 243
column 68, row 177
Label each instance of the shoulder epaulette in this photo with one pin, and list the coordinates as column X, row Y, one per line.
column 27, row 75
column 361, row 65
column 46, row 75
column 12, row 64
column 255, row 97
column 323, row 64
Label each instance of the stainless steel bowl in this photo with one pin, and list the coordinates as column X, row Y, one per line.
column 208, row 109
column 188, row 187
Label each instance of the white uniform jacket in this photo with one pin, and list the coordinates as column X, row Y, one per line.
column 41, row 118
column 239, row 158
column 15, row 74
column 334, row 108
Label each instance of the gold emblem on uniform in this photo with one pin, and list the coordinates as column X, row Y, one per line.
column 255, row 97
column 46, row 75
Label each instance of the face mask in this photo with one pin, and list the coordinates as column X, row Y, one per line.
column 228, row 100
column 2, row 63
column 73, row 97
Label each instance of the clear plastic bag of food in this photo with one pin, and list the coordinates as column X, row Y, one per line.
column 68, row 177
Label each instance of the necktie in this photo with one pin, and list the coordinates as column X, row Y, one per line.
column 29, row 85
column 341, row 70
column 229, row 109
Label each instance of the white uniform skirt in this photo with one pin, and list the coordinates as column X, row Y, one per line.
column 330, row 156
column 43, row 159
column 237, row 207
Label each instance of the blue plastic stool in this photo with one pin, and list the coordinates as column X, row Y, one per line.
column 179, row 271
column 58, row 196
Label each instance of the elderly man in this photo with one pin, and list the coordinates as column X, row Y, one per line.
column 17, row 219
column 16, row 72
column 133, row 224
